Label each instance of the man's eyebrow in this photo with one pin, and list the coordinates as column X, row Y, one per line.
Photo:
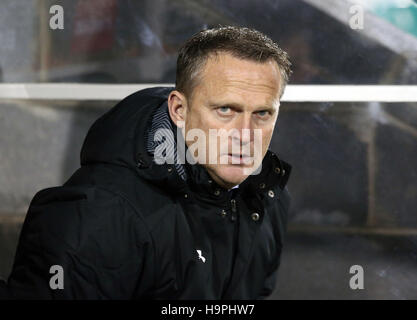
column 239, row 106
column 226, row 104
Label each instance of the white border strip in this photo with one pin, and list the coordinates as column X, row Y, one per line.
column 293, row 93
column 71, row 91
column 350, row 93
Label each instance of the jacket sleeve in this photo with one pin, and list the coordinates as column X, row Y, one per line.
column 81, row 249
column 271, row 278
column 3, row 290
column 269, row 284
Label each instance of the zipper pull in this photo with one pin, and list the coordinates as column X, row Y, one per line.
column 233, row 216
column 233, row 202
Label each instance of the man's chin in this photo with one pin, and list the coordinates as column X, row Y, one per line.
column 232, row 175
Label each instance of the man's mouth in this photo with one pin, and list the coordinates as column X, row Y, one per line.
column 238, row 158
column 238, row 155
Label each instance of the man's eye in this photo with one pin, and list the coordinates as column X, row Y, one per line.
column 263, row 113
column 224, row 109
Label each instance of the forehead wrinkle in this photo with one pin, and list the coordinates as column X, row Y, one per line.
column 249, row 85
column 254, row 81
column 219, row 64
column 242, row 89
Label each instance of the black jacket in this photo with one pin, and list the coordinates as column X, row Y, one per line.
column 123, row 227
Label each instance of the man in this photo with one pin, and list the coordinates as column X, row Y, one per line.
column 139, row 219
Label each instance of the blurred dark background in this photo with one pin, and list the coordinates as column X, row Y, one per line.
column 354, row 177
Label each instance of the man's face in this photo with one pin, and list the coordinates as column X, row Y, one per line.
column 232, row 93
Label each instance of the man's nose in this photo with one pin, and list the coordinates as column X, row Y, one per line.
column 244, row 127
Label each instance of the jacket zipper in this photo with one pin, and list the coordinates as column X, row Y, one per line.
column 235, row 241
column 233, row 202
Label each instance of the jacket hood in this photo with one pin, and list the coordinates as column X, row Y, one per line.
column 119, row 138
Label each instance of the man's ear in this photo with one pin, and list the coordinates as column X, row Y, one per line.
column 177, row 107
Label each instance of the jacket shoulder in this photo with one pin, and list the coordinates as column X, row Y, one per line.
column 93, row 234
column 149, row 202
column 72, row 213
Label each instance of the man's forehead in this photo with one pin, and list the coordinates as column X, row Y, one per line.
column 230, row 72
column 227, row 63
